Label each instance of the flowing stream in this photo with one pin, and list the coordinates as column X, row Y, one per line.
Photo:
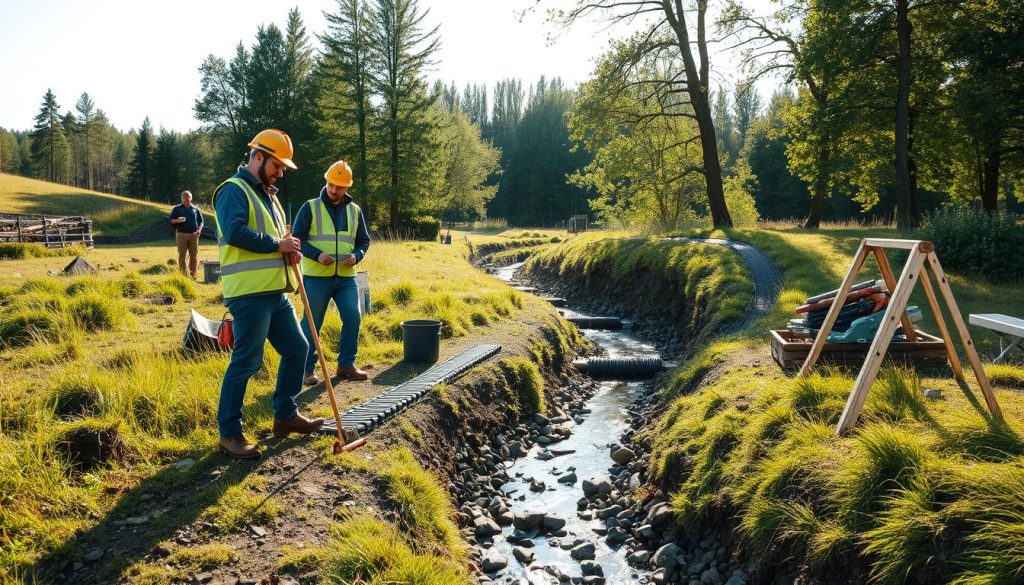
column 604, row 425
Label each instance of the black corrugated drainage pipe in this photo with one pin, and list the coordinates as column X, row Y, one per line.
column 595, row 322
column 628, row 367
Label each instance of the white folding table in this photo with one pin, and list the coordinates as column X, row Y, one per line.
column 1010, row 329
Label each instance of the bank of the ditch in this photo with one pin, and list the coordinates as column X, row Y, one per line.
column 161, row 506
column 741, row 458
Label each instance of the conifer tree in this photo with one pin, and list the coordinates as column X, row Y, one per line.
column 51, row 153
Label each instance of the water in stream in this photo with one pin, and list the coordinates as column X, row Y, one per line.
column 605, row 423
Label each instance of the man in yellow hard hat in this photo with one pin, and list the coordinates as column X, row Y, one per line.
column 256, row 257
column 334, row 239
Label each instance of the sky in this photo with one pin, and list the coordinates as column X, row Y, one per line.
column 141, row 58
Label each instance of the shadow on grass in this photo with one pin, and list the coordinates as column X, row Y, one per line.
column 178, row 496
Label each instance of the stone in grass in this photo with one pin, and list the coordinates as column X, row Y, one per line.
column 585, row 551
column 934, row 393
column 493, row 562
column 523, row 555
column 93, row 555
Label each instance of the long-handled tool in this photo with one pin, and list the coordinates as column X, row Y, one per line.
column 341, row 442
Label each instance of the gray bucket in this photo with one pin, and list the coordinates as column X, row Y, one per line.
column 421, row 340
column 211, row 271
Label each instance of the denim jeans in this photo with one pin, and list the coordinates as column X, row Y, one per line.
column 259, row 319
column 345, row 292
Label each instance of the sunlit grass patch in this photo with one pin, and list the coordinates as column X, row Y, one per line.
column 423, row 505
column 242, row 505
column 363, row 549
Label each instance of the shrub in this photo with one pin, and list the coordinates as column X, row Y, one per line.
column 973, row 241
column 421, row 228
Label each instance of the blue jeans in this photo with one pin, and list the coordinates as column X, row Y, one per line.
column 257, row 320
column 345, row 292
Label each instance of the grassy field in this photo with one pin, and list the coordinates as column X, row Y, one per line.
column 926, row 490
column 86, row 360
column 111, row 214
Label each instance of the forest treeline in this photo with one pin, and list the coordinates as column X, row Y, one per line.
column 885, row 109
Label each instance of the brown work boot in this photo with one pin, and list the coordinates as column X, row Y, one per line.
column 297, row 424
column 310, row 379
column 352, row 373
column 238, row 447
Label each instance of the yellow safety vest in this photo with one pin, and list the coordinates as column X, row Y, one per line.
column 326, row 238
column 243, row 272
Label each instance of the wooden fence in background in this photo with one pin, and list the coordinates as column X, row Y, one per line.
column 49, row 230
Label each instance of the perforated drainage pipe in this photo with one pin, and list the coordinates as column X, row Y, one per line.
column 596, row 322
column 631, row 367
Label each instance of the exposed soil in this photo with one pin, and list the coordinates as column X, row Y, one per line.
column 162, row 513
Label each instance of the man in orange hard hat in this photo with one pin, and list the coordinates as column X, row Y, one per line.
column 334, row 239
column 256, row 256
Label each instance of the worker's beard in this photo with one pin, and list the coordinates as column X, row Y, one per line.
column 270, row 188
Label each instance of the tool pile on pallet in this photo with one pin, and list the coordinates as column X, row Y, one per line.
column 859, row 318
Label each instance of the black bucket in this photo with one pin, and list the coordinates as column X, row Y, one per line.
column 421, row 340
column 211, row 271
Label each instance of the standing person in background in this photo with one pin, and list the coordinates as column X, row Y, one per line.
column 334, row 239
column 188, row 226
column 256, row 257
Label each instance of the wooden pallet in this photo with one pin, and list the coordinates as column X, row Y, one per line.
column 790, row 350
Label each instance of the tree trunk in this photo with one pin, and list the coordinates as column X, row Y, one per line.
column 904, row 207
column 990, row 177
column 393, row 211
column 820, row 189
column 697, row 90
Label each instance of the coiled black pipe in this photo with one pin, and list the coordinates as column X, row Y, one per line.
column 630, row 367
column 595, row 322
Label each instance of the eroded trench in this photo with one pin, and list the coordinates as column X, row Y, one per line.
column 572, row 517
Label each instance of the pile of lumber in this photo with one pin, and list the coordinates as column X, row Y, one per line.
column 50, row 231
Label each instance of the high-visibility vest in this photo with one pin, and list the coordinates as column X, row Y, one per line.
column 244, row 272
column 325, row 237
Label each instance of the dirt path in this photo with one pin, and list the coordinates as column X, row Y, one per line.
column 765, row 274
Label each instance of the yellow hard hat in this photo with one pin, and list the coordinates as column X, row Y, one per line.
column 339, row 174
column 275, row 143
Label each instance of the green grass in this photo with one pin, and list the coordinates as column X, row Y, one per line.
column 242, row 505
column 88, row 350
column 111, row 214
column 370, row 551
column 424, row 508
column 17, row 251
column 705, row 287
column 925, row 487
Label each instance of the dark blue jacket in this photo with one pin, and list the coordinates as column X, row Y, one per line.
column 304, row 219
column 233, row 215
column 193, row 218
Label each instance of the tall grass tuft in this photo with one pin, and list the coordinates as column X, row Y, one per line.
column 369, row 551
column 96, row 312
column 896, row 395
column 423, row 506
column 886, row 459
column 177, row 286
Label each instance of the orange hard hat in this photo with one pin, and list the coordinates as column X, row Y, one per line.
column 275, row 143
column 339, row 174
